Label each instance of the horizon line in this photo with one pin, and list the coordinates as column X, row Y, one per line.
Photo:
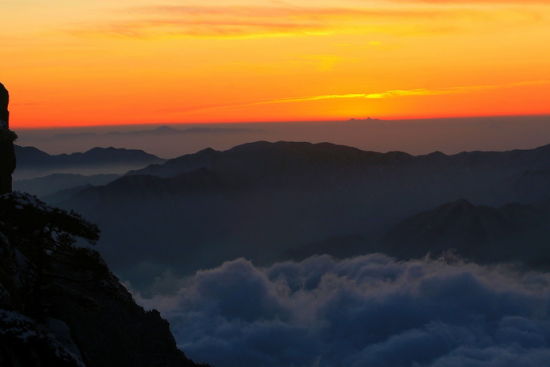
column 320, row 120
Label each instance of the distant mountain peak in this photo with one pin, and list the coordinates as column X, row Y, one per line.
column 104, row 149
column 268, row 159
column 436, row 154
column 31, row 158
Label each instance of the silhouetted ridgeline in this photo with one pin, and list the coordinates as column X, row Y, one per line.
column 32, row 162
column 29, row 157
column 272, row 201
column 60, row 305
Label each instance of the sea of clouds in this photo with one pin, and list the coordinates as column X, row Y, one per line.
column 364, row 311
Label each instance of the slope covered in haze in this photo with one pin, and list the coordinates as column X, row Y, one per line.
column 51, row 184
column 263, row 200
column 511, row 233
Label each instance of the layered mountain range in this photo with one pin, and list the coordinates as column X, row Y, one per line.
column 268, row 201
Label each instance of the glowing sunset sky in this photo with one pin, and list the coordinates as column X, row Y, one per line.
column 88, row 62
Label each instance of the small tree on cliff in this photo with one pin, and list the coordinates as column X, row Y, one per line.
column 39, row 232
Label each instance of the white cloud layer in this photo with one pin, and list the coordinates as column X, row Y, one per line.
column 365, row 311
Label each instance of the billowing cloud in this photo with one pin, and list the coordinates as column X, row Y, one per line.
column 364, row 311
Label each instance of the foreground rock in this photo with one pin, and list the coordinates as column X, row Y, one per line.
column 7, row 137
column 60, row 305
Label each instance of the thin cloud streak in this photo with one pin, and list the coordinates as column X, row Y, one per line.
column 277, row 12
column 251, row 22
column 265, row 21
column 396, row 93
column 410, row 92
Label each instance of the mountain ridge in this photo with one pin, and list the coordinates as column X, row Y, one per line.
column 31, row 157
column 219, row 205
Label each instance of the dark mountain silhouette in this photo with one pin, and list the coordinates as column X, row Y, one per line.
column 60, row 305
column 264, row 159
column 30, row 157
column 261, row 200
column 289, row 155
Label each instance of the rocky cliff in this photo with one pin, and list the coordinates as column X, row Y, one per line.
column 7, row 137
column 59, row 303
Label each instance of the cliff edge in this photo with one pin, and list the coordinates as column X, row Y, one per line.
column 59, row 303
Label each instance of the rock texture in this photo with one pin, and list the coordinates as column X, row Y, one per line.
column 59, row 303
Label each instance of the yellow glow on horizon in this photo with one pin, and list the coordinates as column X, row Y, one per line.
column 145, row 61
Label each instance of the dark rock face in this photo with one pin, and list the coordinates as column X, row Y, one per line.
column 4, row 101
column 7, row 137
column 60, row 305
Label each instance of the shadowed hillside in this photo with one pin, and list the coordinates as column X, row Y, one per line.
column 51, row 184
column 512, row 233
column 267, row 201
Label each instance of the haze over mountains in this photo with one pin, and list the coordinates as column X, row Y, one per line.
column 56, row 182
column 32, row 162
column 511, row 233
column 451, row 135
column 274, row 201
column 345, row 256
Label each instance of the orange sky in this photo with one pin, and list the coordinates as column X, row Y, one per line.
column 89, row 62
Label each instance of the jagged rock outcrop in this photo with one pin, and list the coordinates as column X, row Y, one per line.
column 7, row 137
column 59, row 303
